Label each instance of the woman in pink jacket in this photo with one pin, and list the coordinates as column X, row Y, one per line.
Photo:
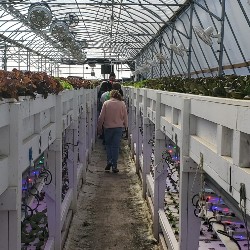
column 113, row 118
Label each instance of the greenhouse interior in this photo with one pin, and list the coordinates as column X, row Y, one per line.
column 178, row 73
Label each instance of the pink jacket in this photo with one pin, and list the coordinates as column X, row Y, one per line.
column 113, row 114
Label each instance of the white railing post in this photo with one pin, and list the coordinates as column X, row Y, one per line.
column 53, row 157
column 10, row 199
column 136, row 139
column 189, row 186
column 160, row 171
column 130, row 114
column 83, row 136
column 72, row 144
column 147, row 133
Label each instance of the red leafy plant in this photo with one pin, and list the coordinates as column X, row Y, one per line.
column 17, row 83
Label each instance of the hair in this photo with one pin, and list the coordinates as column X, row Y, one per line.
column 116, row 86
column 105, row 86
column 112, row 74
column 115, row 94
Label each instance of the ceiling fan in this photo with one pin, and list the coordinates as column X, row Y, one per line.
column 206, row 35
column 161, row 58
column 59, row 29
column 39, row 15
column 152, row 63
column 72, row 19
column 145, row 67
column 178, row 50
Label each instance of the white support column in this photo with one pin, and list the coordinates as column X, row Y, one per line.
column 53, row 192
column 189, row 224
column 133, row 128
column 147, row 151
column 95, row 114
column 160, row 171
column 53, row 157
column 92, row 119
column 10, row 200
column 130, row 114
column 88, row 127
column 160, row 176
column 137, row 132
column 82, row 138
column 72, row 141
column 147, row 132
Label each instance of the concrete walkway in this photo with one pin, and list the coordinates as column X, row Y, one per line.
column 111, row 213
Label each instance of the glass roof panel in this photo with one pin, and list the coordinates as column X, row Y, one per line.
column 111, row 28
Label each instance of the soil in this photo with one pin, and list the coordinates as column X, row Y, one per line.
column 111, row 213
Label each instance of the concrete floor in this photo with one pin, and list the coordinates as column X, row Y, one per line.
column 111, row 213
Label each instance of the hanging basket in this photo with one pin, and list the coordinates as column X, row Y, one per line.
column 39, row 15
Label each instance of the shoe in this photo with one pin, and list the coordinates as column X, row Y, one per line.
column 115, row 170
column 108, row 167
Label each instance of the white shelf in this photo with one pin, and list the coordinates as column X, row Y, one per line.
column 150, row 184
column 65, row 228
column 50, row 244
column 141, row 161
column 79, row 172
column 65, row 206
column 168, row 231
column 4, row 173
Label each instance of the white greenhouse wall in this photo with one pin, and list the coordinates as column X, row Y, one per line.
column 203, row 57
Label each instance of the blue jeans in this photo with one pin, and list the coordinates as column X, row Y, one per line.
column 112, row 142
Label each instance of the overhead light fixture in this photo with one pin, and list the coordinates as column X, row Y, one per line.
column 178, row 50
column 39, row 15
column 206, row 35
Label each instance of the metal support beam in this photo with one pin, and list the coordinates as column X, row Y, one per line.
column 190, row 39
column 220, row 70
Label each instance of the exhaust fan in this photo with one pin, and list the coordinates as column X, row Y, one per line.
column 161, row 58
column 152, row 62
column 72, row 19
column 59, row 29
column 178, row 50
column 207, row 34
column 145, row 67
column 39, row 15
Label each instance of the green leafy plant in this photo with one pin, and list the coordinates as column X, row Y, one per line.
column 231, row 86
column 64, row 83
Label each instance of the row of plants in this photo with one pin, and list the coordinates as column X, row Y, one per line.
column 231, row 86
column 16, row 83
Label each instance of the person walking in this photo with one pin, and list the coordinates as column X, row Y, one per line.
column 113, row 118
column 106, row 95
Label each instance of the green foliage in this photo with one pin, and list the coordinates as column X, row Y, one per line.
column 64, row 83
column 231, row 86
column 35, row 228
